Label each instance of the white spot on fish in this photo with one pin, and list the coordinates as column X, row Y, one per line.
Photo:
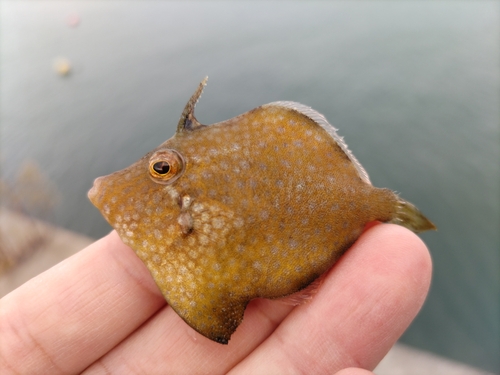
column 239, row 222
column 157, row 234
column 218, row 222
column 205, row 217
column 198, row 207
column 203, row 239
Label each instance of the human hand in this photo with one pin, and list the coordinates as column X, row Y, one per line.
column 100, row 312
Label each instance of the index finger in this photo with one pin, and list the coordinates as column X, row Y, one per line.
column 66, row 318
column 364, row 305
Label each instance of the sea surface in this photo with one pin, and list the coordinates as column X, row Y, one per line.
column 412, row 86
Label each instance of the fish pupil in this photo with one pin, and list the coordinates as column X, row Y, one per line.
column 161, row 167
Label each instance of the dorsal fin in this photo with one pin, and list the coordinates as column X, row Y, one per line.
column 319, row 119
column 187, row 121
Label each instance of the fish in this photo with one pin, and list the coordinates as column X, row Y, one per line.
column 257, row 206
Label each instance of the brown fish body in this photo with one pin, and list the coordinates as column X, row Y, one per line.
column 256, row 206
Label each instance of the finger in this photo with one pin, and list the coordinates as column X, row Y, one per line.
column 167, row 345
column 66, row 318
column 354, row 371
column 365, row 303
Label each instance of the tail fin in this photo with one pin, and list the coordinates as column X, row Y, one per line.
column 408, row 216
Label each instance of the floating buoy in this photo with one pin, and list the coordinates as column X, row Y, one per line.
column 73, row 20
column 62, row 66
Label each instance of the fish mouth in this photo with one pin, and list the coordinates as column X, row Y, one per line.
column 93, row 193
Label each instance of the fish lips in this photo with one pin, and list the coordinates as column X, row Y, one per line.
column 95, row 192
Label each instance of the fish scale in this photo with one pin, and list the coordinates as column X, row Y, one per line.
column 260, row 205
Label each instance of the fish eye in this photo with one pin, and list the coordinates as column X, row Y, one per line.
column 161, row 167
column 166, row 166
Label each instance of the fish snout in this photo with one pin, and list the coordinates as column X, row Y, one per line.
column 93, row 193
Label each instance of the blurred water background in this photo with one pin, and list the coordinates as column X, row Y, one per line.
column 413, row 86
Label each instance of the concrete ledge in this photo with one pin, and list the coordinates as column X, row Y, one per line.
column 46, row 245
column 406, row 360
column 35, row 246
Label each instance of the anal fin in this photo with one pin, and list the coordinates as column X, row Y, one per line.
column 304, row 295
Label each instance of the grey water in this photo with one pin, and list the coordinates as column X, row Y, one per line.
column 413, row 87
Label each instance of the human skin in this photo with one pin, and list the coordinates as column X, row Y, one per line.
column 100, row 312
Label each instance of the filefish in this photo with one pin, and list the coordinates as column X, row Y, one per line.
column 260, row 205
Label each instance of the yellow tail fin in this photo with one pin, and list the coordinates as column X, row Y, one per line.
column 408, row 216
